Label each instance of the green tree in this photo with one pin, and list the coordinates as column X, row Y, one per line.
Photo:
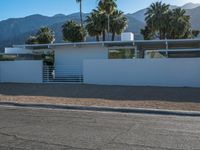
column 97, row 24
column 73, row 32
column 179, row 24
column 195, row 33
column 45, row 36
column 118, row 23
column 156, row 18
column 81, row 12
column 107, row 7
column 162, row 23
column 93, row 26
column 147, row 33
column 31, row 40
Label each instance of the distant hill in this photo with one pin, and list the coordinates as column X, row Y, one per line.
column 191, row 8
column 190, row 5
column 16, row 30
column 140, row 15
column 14, row 27
column 195, row 17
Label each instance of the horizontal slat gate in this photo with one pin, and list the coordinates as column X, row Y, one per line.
column 62, row 74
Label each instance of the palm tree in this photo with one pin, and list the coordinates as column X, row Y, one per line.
column 107, row 7
column 81, row 13
column 156, row 17
column 118, row 23
column 93, row 26
column 45, row 35
column 179, row 24
column 195, row 33
column 166, row 23
column 96, row 24
column 73, row 32
column 31, row 40
column 147, row 33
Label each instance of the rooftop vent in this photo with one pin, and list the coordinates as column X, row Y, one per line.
column 127, row 36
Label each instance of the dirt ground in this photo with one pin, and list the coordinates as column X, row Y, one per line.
column 93, row 95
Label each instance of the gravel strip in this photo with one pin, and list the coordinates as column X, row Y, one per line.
column 111, row 96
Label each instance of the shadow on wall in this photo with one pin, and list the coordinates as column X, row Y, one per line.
column 103, row 92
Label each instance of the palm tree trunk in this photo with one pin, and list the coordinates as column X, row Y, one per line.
column 161, row 35
column 97, row 38
column 81, row 13
column 113, row 36
column 104, row 35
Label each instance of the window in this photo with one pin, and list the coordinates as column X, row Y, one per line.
column 182, row 54
column 172, row 54
column 121, row 53
column 155, row 54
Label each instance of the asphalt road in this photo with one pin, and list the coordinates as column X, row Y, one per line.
column 37, row 129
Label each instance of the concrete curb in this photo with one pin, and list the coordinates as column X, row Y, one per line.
column 106, row 109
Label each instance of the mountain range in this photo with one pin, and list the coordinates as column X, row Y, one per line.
column 16, row 30
column 192, row 9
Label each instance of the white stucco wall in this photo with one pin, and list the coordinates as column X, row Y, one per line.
column 184, row 72
column 0, row 72
column 21, row 71
column 69, row 60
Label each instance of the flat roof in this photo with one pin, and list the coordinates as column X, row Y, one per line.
column 112, row 43
column 101, row 43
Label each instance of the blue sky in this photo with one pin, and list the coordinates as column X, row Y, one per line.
column 21, row 8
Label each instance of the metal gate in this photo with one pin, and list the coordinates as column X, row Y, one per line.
column 62, row 74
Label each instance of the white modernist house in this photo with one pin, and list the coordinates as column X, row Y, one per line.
column 173, row 63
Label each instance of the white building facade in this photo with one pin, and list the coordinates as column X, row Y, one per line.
column 173, row 63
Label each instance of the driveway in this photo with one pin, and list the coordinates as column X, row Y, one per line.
column 33, row 129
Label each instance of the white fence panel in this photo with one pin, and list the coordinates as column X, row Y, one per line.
column 180, row 72
column 0, row 72
column 21, row 71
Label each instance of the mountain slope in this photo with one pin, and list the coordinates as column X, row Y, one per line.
column 139, row 15
column 195, row 17
column 191, row 8
column 190, row 5
column 14, row 27
column 15, row 31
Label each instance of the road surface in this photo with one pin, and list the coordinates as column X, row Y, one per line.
column 37, row 129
